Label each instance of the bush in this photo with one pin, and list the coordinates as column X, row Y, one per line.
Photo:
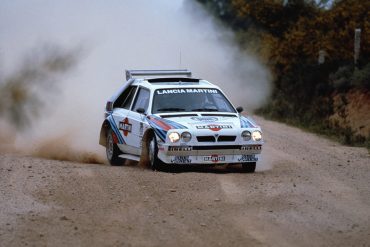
column 361, row 77
column 341, row 79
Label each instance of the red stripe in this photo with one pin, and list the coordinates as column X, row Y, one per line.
column 165, row 126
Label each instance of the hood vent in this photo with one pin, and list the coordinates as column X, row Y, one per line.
column 178, row 115
column 218, row 115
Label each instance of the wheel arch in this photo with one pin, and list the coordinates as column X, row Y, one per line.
column 144, row 158
column 103, row 133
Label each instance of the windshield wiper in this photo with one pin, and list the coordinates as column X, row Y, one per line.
column 171, row 109
column 205, row 109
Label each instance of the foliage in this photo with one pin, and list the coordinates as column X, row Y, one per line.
column 361, row 77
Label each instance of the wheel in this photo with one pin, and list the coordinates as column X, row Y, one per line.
column 155, row 163
column 113, row 151
column 249, row 167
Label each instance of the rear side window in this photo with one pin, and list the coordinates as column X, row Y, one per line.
column 142, row 99
column 125, row 99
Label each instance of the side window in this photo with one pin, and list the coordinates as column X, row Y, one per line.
column 141, row 100
column 125, row 97
column 127, row 102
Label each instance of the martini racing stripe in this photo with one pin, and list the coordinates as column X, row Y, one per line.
column 161, row 126
column 165, row 123
column 116, row 130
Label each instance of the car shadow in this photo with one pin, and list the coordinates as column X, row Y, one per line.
column 199, row 168
column 220, row 169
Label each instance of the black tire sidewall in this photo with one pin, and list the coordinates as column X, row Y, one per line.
column 154, row 161
column 115, row 160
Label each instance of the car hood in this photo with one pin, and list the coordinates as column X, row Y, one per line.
column 195, row 122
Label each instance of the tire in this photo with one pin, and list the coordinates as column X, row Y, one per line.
column 112, row 150
column 249, row 167
column 154, row 162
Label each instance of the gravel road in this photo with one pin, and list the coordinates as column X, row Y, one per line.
column 307, row 191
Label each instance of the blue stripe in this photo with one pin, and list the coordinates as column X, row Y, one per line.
column 244, row 122
column 159, row 131
column 116, row 130
column 173, row 124
column 160, row 134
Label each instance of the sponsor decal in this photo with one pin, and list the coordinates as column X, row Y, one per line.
column 251, row 147
column 205, row 119
column 214, row 127
column 186, row 90
column 179, row 148
column 215, row 158
column 181, row 160
column 248, row 158
column 125, row 126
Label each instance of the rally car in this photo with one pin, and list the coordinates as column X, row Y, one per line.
column 167, row 117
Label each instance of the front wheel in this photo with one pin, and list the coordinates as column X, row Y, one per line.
column 112, row 150
column 249, row 167
column 155, row 163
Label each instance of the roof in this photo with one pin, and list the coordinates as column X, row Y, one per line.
column 174, row 82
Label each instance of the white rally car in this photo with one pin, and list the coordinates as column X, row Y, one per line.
column 167, row 117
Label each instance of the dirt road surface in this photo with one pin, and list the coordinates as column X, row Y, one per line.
column 308, row 191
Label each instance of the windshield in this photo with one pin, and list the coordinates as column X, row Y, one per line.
column 190, row 100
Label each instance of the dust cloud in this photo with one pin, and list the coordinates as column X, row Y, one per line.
column 116, row 35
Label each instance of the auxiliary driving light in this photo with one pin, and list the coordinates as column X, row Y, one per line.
column 246, row 135
column 186, row 136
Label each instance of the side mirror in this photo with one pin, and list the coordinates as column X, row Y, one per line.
column 140, row 110
column 239, row 109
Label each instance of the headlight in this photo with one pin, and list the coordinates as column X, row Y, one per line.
column 186, row 136
column 174, row 137
column 257, row 135
column 246, row 135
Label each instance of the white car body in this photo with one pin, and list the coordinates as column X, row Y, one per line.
column 216, row 136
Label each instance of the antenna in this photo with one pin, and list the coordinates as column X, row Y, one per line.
column 180, row 60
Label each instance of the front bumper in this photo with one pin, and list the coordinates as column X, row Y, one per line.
column 215, row 154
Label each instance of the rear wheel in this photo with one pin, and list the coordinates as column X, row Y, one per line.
column 249, row 167
column 112, row 150
column 155, row 163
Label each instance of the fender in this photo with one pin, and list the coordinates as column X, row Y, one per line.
column 103, row 133
column 109, row 123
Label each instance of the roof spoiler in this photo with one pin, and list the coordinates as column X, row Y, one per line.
column 132, row 73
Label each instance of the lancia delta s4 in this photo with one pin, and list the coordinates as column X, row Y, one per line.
column 166, row 117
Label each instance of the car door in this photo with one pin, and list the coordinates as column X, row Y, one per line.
column 137, row 116
column 121, row 109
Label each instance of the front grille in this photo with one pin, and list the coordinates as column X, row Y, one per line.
column 206, row 139
column 213, row 138
column 226, row 138
column 216, row 147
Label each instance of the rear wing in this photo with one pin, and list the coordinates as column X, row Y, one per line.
column 182, row 72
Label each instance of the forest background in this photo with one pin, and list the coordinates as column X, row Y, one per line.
column 320, row 63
